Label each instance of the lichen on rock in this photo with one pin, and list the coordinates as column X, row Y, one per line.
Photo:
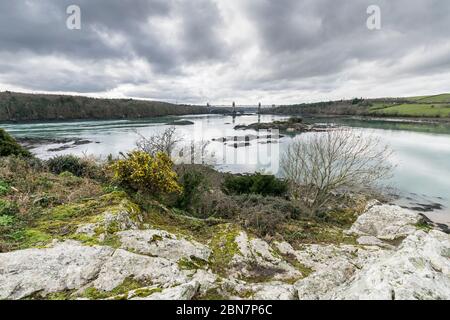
column 121, row 256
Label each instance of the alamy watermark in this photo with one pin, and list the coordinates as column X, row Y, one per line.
column 260, row 150
column 374, row 20
column 73, row 21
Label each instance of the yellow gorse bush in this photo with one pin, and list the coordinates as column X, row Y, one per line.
column 146, row 173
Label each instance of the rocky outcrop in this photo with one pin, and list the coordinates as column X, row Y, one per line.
column 159, row 243
column 414, row 266
column 124, row 264
column 394, row 258
column 256, row 259
column 419, row 269
column 65, row 266
column 182, row 292
column 385, row 222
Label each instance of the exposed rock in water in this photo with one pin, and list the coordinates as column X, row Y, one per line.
column 290, row 126
column 245, row 141
column 397, row 257
column 180, row 123
column 66, row 143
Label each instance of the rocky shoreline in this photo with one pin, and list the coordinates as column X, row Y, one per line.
column 396, row 256
column 65, row 143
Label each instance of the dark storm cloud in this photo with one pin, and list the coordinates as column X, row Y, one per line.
column 317, row 37
column 201, row 48
column 39, row 28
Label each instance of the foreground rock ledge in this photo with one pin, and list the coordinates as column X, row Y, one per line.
column 394, row 259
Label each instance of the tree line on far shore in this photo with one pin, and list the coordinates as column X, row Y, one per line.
column 21, row 107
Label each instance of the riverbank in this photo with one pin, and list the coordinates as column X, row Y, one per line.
column 22, row 108
column 400, row 120
column 436, row 107
column 421, row 151
column 211, row 235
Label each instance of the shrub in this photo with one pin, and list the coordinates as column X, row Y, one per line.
column 319, row 166
column 263, row 221
column 6, row 221
column 8, row 208
column 79, row 167
column 193, row 184
column 218, row 205
column 4, row 187
column 294, row 120
column 257, row 184
column 9, row 146
column 66, row 163
column 150, row 174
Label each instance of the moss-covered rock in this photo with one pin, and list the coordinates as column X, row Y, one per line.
column 105, row 216
column 224, row 247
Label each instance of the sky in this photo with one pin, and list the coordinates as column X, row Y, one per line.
column 219, row 51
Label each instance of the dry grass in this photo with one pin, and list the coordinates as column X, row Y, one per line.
column 32, row 185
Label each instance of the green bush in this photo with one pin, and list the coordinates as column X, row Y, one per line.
column 8, row 208
column 263, row 221
column 67, row 163
column 153, row 175
column 193, row 184
column 216, row 204
column 9, row 146
column 6, row 221
column 266, row 185
column 295, row 120
column 264, row 214
column 4, row 187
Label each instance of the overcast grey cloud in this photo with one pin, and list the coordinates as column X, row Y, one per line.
column 282, row 51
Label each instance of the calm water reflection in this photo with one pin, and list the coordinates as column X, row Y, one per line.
column 421, row 151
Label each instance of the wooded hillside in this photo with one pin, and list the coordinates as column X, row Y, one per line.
column 16, row 107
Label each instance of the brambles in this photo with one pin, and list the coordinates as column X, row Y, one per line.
column 264, row 214
column 149, row 174
column 266, row 185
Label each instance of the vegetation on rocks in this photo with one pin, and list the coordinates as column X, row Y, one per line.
column 80, row 167
column 177, row 221
column 142, row 172
column 266, row 185
column 41, row 201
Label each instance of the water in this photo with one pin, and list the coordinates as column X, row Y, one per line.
column 421, row 151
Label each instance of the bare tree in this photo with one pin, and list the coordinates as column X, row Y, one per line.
column 196, row 152
column 321, row 164
column 170, row 143
column 165, row 142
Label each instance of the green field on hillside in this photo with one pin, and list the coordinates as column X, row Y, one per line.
column 441, row 98
column 413, row 110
